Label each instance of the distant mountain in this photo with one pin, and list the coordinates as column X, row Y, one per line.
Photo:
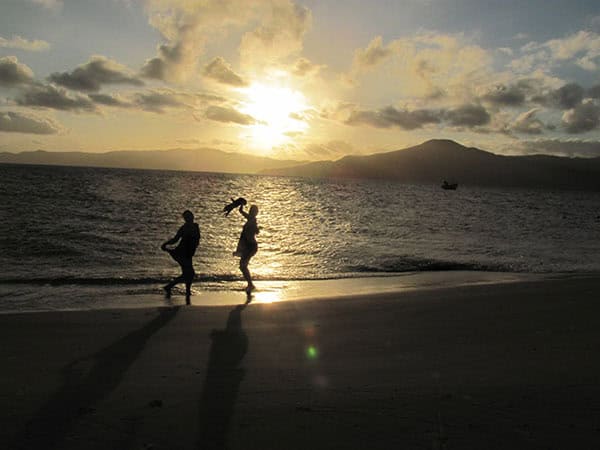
column 202, row 160
column 437, row 160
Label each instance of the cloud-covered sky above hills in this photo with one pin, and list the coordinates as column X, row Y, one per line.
column 316, row 79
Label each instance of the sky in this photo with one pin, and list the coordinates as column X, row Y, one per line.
column 309, row 80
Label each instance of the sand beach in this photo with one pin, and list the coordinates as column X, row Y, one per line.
column 497, row 365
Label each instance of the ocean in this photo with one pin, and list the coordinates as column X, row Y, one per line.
column 65, row 231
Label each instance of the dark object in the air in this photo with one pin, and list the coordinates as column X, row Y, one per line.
column 449, row 186
column 234, row 204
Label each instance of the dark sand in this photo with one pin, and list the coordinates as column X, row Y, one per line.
column 507, row 366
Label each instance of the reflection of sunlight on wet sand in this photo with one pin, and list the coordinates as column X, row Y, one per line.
column 266, row 296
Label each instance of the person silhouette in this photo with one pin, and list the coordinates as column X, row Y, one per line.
column 188, row 236
column 247, row 245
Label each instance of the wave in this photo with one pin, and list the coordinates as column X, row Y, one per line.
column 400, row 266
column 403, row 265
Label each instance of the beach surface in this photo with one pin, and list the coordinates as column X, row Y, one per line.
column 494, row 365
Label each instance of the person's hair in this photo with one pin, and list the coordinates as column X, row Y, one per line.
column 253, row 210
column 188, row 216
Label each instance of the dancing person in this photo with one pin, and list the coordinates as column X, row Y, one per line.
column 247, row 245
column 188, row 236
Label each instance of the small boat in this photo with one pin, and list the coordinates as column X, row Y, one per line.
column 449, row 186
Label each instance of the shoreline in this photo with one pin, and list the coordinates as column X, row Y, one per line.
column 25, row 298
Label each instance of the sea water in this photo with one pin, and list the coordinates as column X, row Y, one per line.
column 67, row 230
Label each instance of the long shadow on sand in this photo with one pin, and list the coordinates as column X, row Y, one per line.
column 223, row 378
column 86, row 381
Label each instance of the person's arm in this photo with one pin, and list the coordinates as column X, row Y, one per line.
column 242, row 212
column 174, row 239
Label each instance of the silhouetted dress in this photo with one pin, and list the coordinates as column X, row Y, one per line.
column 247, row 245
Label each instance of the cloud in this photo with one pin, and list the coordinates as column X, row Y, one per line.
column 584, row 117
column 583, row 45
column 305, row 68
column 469, row 115
column 49, row 96
column 49, row 4
column 391, row 117
column 581, row 48
column 92, row 75
column 426, row 65
column 21, row 43
column 280, row 34
column 13, row 73
column 372, row 55
column 228, row 115
column 528, row 123
column 218, row 69
column 15, row 122
column 187, row 26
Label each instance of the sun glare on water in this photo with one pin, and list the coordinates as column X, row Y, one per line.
column 276, row 110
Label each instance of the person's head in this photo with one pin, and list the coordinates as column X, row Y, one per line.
column 253, row 211
column 188, row 216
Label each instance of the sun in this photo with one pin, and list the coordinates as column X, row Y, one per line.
column 277, row 110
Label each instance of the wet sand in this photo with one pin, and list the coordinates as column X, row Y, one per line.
column 495, row 366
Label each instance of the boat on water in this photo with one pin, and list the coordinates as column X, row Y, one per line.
column 449, row 186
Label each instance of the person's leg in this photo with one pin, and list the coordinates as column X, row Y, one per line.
column 244, row 268
column 188, row 275
column 167, row 288
column 180, row 279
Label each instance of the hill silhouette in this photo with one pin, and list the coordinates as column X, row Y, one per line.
column 201, row 160
column 439, row 159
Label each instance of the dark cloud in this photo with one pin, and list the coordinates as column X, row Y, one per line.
column 571, row 148
column 513, row 95
column 567, row 96
column 109, row 100
column 170, row 63
column 470, row 115
column 92, row 75
column 594, row 91
column 391, row 117
column 15, row 122
column 218, row 69
column 13, row 73
column 156, row 101
column 228, row 115
column 48, row 96
column 584, row 117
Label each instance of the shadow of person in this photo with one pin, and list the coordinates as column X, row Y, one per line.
column 86, row 381
column 223, row 378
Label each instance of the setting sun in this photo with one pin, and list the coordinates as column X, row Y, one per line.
column 276, row 110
